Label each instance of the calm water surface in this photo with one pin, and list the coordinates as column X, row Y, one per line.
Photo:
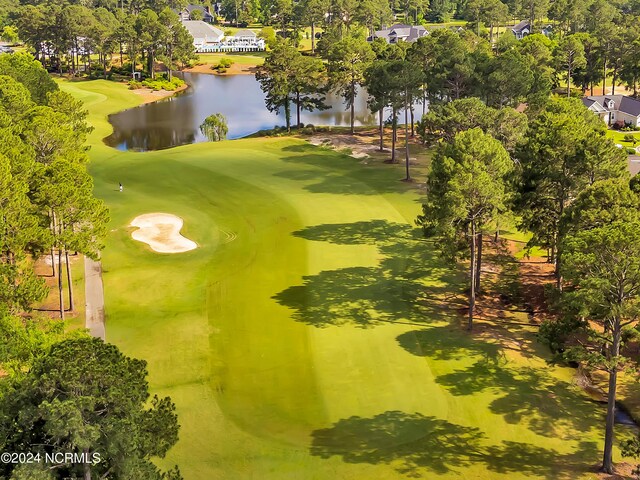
column 175, row 121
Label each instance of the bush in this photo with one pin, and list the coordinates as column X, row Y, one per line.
column 134, row 85
column 125, row 69
column 631, row 151
column 161, row 83
column 555, row 333
column 225, row 62
column 630, row 138
column 222, row 65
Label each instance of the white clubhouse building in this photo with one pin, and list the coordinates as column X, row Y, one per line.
column 209, row 39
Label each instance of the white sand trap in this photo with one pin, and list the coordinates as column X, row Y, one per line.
column 161, row 231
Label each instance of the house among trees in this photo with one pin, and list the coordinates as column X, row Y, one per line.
column 196, row 12
column 400, row 32
column 523, row 29
column 209, row 39
column 615, row 109
column 203, row 34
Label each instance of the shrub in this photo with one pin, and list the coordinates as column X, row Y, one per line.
column 134, row 85
column 555, row 333
column 161, row 83
column 630, row 138
column 631, row 151
column 222, row 65
column 225, row 62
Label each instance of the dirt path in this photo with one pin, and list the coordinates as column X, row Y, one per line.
column 94, row 298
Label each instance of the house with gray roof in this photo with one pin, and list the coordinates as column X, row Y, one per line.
column 186, row 13
column 203, row 34
column 399, row 33
column 245, row 34
column 615, row 109
column 523, row 29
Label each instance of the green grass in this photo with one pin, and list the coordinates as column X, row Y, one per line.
column 307, row 336
column 618, row 137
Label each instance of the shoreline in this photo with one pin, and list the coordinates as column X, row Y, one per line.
column 235, row 69
column 149, row 96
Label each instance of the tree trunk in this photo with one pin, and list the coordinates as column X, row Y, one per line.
column 150, row 65
column 568, row 82
column 313, row 38
column 607, row 460
column 413, row 129
column 613, row 83
column 298, row 109
column 557, row 270
column 60, row 289
column 287, row 115
column 472, row 274
column 353, row 101
column 380, row 113
column 52, row 227
column 69, row 281
column 406, row 135
column 478, row 261
column 394, row 126
column 87, row 466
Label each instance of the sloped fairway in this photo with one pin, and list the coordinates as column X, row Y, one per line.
column 309, row 337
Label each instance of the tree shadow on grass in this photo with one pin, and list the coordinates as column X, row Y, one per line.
column 448, row 343
column 338, row 173
column 418, row 446
column 523, row 395
column 413, row 443
column 393, row 291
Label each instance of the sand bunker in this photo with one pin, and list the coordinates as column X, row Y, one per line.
column 161, row 231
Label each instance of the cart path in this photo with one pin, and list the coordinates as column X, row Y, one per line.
column 94, row 298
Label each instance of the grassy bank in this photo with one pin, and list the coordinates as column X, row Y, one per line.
column 309, row 336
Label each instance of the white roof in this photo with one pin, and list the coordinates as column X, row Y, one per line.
column 202, row 30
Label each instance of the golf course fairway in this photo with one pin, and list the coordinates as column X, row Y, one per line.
column 308, row 336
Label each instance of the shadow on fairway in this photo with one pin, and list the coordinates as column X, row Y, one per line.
column 416, row 446
column 413, row 442
column 393, row 291
column 338, row 173
column 545, row 404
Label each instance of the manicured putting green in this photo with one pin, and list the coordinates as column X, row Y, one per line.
column 306, row 337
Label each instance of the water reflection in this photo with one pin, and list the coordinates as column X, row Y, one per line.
column 175, row 121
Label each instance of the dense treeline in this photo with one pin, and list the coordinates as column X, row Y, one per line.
column 61, row 391
column 591, row 41
column 567, row 184
column 66, row 37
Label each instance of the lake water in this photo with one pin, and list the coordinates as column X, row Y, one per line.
column 176, row 120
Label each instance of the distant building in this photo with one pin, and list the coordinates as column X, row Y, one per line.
column 205, row 13
column 400, row 32
column 203, row 34
column 523, row 29
column 614, row 109
column 209, row 39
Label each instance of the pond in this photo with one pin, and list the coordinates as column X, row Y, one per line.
column 175, row 121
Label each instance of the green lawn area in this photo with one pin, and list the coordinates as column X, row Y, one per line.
column 308, row 337
column 618, row 137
